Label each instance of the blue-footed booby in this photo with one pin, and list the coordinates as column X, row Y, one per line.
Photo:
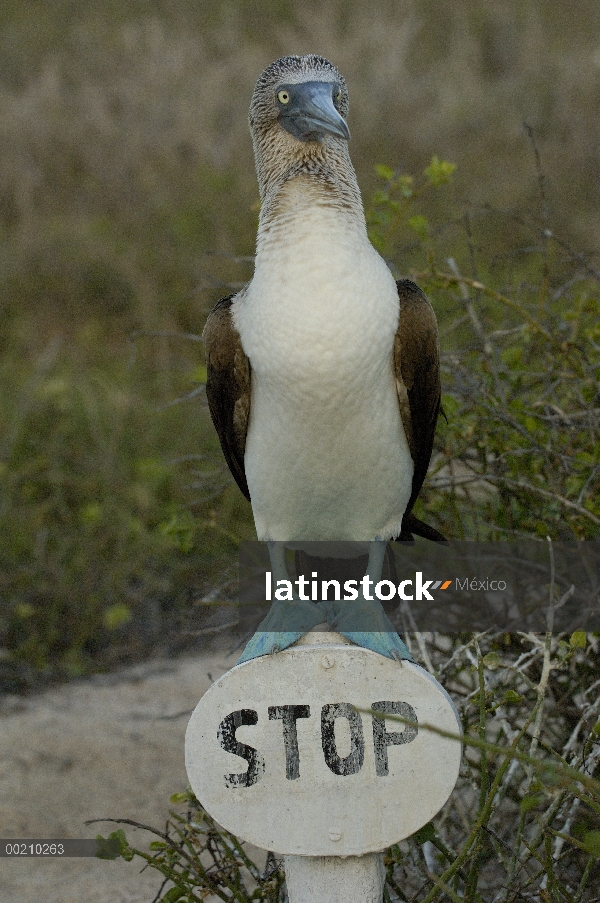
column 323, row 372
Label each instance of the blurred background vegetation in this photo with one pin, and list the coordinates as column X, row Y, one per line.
column 128, row 205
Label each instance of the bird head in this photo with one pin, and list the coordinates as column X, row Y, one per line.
column 297, row 114
column 304, row 95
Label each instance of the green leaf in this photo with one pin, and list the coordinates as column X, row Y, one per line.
column 181, row 529
column 108, row 847
column 591, row 842
column 173, row 895
column 420, row 225
column 113, row 846
column 512, row 356
column 578, row 639
column 380, row 197
column 491, row 660
column 439, row 171
column 427, row 832
column 511, row 696
column 116, row 616
column 530, row 801
column 384, row 172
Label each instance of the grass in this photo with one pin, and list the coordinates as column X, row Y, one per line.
column 109, row 531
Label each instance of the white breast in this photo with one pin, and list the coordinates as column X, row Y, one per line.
column 326, row 454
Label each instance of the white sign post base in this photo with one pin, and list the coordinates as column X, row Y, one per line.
column 298, row 753
column 330, row 879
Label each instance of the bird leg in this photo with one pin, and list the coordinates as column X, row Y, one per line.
column 288, row 619
column 364, row 621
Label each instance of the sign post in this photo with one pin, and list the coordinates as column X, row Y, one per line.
column 298, row 753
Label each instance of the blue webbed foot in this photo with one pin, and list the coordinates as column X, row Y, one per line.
column 365, row 623
column 285, row 623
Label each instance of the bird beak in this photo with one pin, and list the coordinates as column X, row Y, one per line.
column 310, row 113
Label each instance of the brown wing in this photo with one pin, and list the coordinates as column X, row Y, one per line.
column 228, row 387
column 417, row 370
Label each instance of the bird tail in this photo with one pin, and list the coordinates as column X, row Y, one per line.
column 412, row 524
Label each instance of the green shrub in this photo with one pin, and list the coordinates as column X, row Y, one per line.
column 109, row 526
column 518, row 452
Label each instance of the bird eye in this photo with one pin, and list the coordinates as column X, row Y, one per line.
column 283, row 97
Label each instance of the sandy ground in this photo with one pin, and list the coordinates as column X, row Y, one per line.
column 112, row 746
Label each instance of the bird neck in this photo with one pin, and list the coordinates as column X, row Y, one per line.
column 314, row 190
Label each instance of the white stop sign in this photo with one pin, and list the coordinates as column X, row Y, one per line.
column 299, row 752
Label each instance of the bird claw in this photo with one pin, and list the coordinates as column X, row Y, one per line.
column 365, row 623
column 386, row 643
column 285, row 623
